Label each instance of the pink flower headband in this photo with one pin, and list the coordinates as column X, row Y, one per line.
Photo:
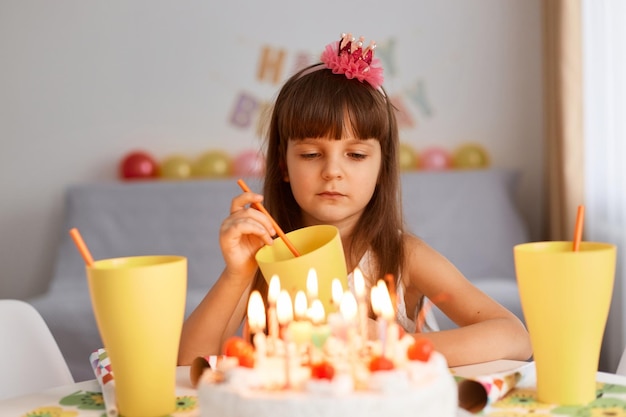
column 348, row 57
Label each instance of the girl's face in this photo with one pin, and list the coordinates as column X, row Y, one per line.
column 333, row 180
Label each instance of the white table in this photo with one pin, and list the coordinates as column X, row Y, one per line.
column 27, row 405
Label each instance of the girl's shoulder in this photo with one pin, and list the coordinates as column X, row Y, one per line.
column 423, row 263
column 412, row 243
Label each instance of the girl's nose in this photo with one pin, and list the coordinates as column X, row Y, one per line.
column 332, row 169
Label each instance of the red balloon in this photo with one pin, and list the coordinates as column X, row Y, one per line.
column 138, row 165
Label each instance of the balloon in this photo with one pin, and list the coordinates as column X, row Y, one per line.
column 408, row 157
column 249, row 164
column 213, row 164
column 471, row 156
column 435, row 159
column 175, row 167
column 138, row 165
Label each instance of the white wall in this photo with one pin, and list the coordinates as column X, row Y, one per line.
column 83, row 83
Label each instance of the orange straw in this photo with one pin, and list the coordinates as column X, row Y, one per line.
column 82, row 248
column 262, row 209
column 578, row 231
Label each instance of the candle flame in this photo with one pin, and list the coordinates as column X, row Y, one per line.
column 311, row 283
column 337, row 291
column 359, row 282
column 317, row 313
column 386, row 307
column 274, row 289
column 284, row 308
column 375, row 300
column 300, row 305
column 348, row 306
column 256, row 312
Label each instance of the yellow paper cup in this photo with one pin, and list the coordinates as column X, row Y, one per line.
column 320, row 248
column 139, row 306
column 565, row 298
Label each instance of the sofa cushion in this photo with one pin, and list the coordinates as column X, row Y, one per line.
column 469, row 216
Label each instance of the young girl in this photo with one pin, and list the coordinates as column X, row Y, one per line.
column 332, row 158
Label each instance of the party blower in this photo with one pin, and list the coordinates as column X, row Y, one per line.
column 565, row 290
column 139, row 306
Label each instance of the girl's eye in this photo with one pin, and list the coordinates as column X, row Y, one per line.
column 358, row 156
column 309, row 155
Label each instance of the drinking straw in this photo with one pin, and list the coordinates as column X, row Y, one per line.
column 262, row 209
column 578, row 231
column 82, row 248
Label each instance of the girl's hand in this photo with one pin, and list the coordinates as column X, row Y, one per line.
column 242, row 234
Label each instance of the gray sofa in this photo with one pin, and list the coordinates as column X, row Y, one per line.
column 470, row 216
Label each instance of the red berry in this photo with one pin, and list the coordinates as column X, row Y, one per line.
column 238, row 347
column 381, row 363
column 322, row 370
column 246, row 357
column 233, row 346
column 420, row 350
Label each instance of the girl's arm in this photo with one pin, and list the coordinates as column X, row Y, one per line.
column 216, row 318
column 487, row 331
column 222, row 310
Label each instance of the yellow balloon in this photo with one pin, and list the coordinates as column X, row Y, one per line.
column 176, row 167
column 408, row 157
column 470, row 156
column 213, row 164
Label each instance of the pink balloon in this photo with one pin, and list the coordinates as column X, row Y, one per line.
column 435, row 159
column 249, row 163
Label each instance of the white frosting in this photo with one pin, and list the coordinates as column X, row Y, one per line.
column 428, row 387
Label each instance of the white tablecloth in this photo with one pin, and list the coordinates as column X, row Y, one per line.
column 84, row 399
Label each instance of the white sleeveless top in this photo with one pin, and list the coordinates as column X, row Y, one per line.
column 408, row 322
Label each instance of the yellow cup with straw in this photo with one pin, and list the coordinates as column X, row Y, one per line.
column 565, row 291
column 139, row 306
column 294, row 255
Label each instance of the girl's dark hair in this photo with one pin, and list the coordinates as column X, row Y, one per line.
column 314, row 103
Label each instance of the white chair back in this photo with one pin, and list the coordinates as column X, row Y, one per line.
column 30, row 359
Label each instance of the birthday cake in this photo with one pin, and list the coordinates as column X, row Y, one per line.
column 318, row 365
column 338, row 384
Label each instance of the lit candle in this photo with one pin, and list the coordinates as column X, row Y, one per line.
column 311, row 285
column 300, row 305
column 335, row 319
column 256, row 323
column 388, row 315
column 376, row 307
column 284, row 314
column 336, row 292
column 348, row 309
column 374, row 300
column 321, row 331
column 300, row 329
column 272, row 297
column 359, row 289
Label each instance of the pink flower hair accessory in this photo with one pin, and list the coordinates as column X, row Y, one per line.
column 348, row 57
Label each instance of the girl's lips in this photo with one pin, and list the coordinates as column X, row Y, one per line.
column 330, row 194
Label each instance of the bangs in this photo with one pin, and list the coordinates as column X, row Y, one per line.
column 323, row 113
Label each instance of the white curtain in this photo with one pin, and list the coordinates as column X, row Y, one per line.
column 604, row 91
